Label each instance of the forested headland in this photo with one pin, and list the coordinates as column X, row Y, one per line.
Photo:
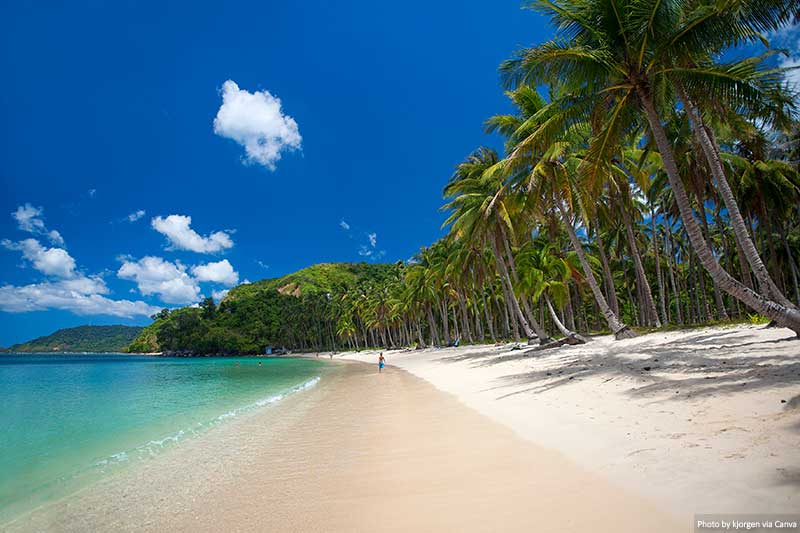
column 95, row 339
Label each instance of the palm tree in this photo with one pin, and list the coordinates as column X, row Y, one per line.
column 613, row 60
column 482, row 213
column 546, row 275
column 547, row 166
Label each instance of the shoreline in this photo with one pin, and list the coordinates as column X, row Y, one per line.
column 359, row 452
column 703, row 420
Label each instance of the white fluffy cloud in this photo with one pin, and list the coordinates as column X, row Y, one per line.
column 788, row 38
column 136, row 215
column 71, row 291
column 219, row 272
column 373, row 239
column 344, row 225
column 76, row 296
column 48, row 261
column 174, row 283
column 792, row 76
column 177, row 229
column 30, row 219
column 256, row 121
column 154, row 275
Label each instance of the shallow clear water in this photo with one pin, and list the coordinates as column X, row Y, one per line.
column 66, row 420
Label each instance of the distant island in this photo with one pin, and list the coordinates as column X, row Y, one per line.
column 82, row 339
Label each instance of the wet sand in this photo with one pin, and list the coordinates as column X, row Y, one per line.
column 703, row 420
column 359, row 452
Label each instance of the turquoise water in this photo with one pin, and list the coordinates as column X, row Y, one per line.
column 67, row 420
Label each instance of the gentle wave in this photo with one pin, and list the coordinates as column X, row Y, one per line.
column 154, row 447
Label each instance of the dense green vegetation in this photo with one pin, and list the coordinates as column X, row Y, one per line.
column 99, row 339
column 655, row 185
column 297, row 311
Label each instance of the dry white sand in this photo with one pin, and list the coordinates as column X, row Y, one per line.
column 713, row 426
column 359, row 452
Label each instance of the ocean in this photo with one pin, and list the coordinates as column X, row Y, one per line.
column 69, row 420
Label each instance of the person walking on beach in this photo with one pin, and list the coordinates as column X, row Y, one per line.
column 381, row 363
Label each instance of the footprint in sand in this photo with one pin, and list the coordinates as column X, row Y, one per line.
column 640, row 451
column 732, row 428
column 735, row 456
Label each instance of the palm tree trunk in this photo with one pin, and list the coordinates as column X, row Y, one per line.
column 701, row 308
column 650, row 305
column 419, row 334
column 659, row 274
column 476, row 315
column 792, row 265
column 502, row 308
column 489, row 321
column 445, row 319
column 537, row 328
column 671, row 268
column 705, row 137
column 569, row 312
column 783, row 315
column 432, row 325
column 721, row 312
column 456, row 331
column 611, row 290
column 464, row 319
column 636, row 317
column 619, row 329
column 514, row 303
column 559, row 325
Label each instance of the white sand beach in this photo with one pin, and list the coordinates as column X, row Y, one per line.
column 358, row 452
column 699, row 421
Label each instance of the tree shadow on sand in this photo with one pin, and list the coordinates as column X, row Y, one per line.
column 691, row 367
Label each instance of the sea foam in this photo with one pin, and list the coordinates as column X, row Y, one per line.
column 155, row 446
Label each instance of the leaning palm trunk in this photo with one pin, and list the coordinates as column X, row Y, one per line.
column 783, row 315
column 537, row 328
column 651, row 313
column 611, row 291
column 504, row 276
column 620, row 330
column 419, row 334
column 722, row 313
column 706, row 139
column 560, row 325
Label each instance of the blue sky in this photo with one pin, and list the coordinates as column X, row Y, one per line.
column 122, row 195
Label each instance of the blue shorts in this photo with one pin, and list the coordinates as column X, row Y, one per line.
column 380, row 365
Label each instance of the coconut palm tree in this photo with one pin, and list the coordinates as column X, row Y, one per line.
column 613, row 63
column 481, row 212
column 546, row 275
column 546, row 167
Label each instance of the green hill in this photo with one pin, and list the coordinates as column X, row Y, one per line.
column 83, row 339
column 295, row 311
